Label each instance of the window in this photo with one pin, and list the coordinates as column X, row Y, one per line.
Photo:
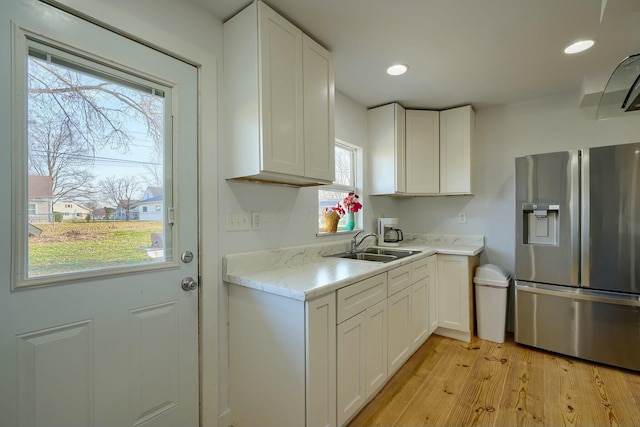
column 347, row 159
column 95, row 136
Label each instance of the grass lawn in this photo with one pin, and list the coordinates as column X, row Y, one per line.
column 76, row 246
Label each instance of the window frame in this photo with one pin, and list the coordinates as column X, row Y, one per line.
column 22, row 40
column 356, row 186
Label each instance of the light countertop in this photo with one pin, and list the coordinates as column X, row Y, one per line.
column 304, row 273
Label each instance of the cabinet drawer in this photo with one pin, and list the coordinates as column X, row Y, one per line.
column 419, row 269
column 399, row 278
column 356, row 298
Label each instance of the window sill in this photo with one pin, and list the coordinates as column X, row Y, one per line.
column 339, row 232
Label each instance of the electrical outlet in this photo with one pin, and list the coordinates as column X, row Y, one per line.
column 237, row 221
column 256, row 221
column 462, row 218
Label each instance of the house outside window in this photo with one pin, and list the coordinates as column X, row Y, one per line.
column 348, row 159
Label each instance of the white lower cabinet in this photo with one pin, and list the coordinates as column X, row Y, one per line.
column 282, row 369
column 432, row 293
column 361, row 345
column 456, row 313
column 399, row 329
column 409, row 309
column 321, row 362
column 318, row 362
column 419, row 312
column 376, row 348
column 351, row 367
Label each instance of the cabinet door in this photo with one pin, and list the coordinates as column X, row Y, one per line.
column 422, row 151
column 456, row 137
column 386, row 136
column 321, row 362
column 282, row 92
column 376, row 347
column 318, row 111
column 399, row 329
column 419, row 312
column 351, row 367
column 453, row 292
column 432, row 292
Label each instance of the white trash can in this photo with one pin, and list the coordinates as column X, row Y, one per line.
column 491, row 284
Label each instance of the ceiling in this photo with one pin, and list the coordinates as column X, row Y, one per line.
column 479, row 52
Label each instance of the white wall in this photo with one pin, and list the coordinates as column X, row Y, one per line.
column 502, row 134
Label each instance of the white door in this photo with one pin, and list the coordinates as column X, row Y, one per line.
column 95, row 329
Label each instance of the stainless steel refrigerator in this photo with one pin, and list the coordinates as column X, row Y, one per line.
column 577, row 272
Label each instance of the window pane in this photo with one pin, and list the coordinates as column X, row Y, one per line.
column 344, row 166
column 95, row 144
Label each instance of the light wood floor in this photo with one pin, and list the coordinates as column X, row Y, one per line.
column 452, row 383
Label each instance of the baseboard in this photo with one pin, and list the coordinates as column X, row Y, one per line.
column 456, row 335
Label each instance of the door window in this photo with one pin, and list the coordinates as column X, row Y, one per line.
column 96, row 153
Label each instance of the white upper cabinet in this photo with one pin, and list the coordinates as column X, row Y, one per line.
column 456, row 143
column 423, row 148
column 429, row 155
column 386, row 132
column 279, row 97
column 318, row 104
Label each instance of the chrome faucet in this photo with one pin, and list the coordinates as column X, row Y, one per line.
column 355, row 243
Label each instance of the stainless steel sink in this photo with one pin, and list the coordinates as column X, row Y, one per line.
column 399, row 253
column 376, row 254
column 364, row 256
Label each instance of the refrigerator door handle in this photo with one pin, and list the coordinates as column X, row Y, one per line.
column 580, row 295
column 585, row 192
column 574, row 215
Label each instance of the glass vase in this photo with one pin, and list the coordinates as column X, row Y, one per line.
column 350, row 222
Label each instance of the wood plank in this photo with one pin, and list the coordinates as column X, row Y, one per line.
column 569, row 398
column 384, row 409
column 616, row 396
column 522, row 403
column 633, row 381
column 482, row 391
column 448, row 382
column 437, row 396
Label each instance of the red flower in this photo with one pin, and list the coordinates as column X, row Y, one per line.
column 351, row 203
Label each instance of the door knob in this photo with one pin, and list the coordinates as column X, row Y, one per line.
column 189, row 284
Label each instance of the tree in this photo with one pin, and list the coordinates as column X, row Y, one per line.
column 153, row 175
column 122, row 192
column 54, row 152
column 73, row 114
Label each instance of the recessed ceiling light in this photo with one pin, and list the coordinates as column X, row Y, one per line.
column 396, row 70
column 579, row 46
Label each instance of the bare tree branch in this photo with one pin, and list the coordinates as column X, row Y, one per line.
column 121, row 192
